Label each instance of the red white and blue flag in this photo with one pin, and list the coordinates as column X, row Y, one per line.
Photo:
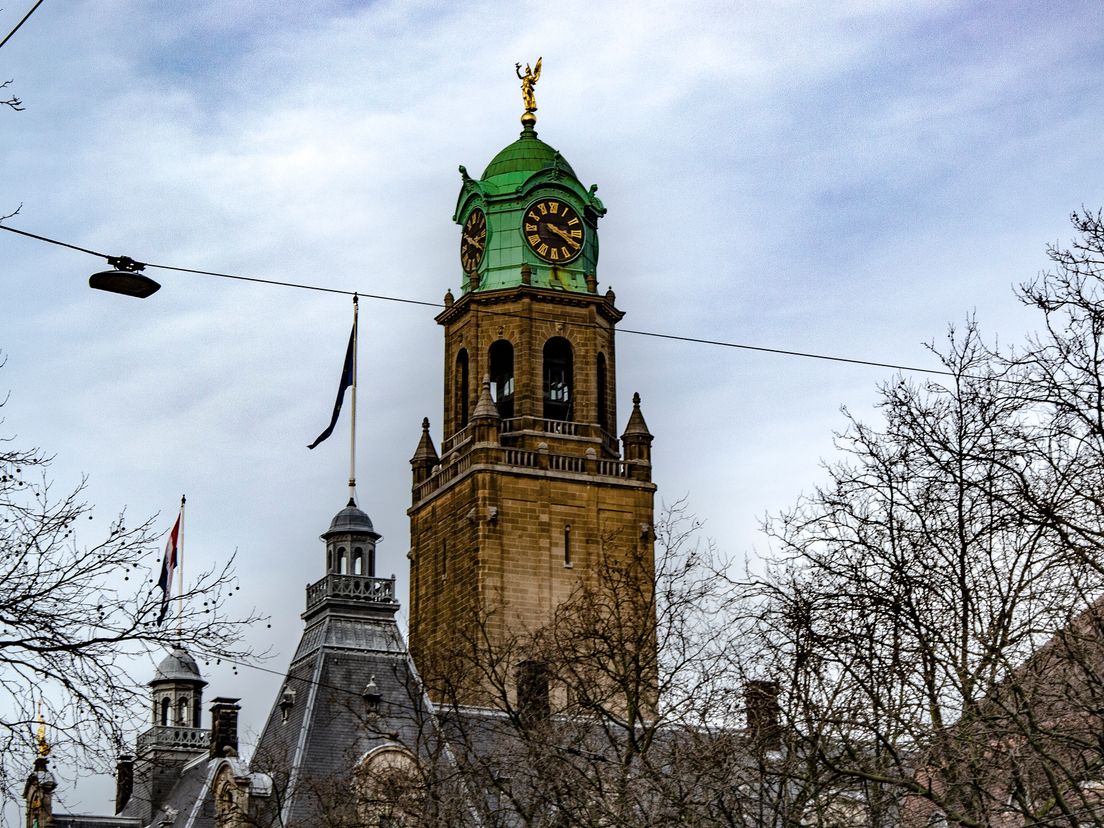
column 168, row 567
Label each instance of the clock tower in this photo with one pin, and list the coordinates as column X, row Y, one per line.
column 532, row 492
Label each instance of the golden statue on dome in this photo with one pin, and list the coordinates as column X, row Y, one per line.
column 43, row 745
column 528, row 81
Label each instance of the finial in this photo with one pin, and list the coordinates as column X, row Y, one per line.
column 43, row 745
column 528, row 81
column 425, row 454
column 449, row 298
column 636, row 430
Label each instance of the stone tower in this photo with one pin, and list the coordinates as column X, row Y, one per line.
column 532, row 489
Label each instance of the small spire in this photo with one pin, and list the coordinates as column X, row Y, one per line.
column 485, row 408
column 636, row 427
column 425, row 453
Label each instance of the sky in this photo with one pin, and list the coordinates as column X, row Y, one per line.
column 843, row 178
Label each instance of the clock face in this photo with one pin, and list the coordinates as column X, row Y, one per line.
column 553, row 230
column 473, row 240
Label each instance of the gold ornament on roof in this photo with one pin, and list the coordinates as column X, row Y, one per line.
column 528, row 81
column 43, row 745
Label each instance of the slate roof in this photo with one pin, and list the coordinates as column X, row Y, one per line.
column 328, row 728
column 178, row 665
column 351, row 520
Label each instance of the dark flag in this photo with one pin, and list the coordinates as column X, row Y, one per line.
column 347, row 378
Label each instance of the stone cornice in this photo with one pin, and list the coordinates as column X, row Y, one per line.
column 538, row 295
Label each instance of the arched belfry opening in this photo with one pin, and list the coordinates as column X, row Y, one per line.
column 462, row 389
column 501, row 356
column 558, row 379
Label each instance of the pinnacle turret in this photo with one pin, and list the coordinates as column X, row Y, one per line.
column 485, row 408
column 425, row 456
column 637, row 440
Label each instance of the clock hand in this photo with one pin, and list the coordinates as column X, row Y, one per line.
column 470, row 240
column 563, row 235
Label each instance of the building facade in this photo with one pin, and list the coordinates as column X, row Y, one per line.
column 531, row 495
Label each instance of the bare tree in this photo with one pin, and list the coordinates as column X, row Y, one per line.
column 934, row 609
column 12, row 102
column 627, row 709
column 75, row 618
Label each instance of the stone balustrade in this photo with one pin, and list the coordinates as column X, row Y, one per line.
column 352, row 587
column 456, row 466
column 175, row 738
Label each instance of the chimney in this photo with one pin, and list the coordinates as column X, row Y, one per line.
column 124, row 781
column 763, row 712
column 224, row 727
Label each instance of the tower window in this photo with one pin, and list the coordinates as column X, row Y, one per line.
column 502, row 377
column 372, row 560
column 358, row 560
column 567, row 545
column 342, row 561
column 165, row 705
column 462, row 389
column 182, row 713
column 558, row 379
column 532, row 692
column 603, row 412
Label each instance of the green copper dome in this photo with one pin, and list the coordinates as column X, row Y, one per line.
column 525, row 176
column 527, row 155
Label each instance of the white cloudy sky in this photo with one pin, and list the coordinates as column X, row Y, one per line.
column 843, row 177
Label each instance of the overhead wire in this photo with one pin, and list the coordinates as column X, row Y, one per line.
column 423, row 303
column 20, row 23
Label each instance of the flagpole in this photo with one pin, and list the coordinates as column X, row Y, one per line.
column 180, row 571
column 352, row 425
